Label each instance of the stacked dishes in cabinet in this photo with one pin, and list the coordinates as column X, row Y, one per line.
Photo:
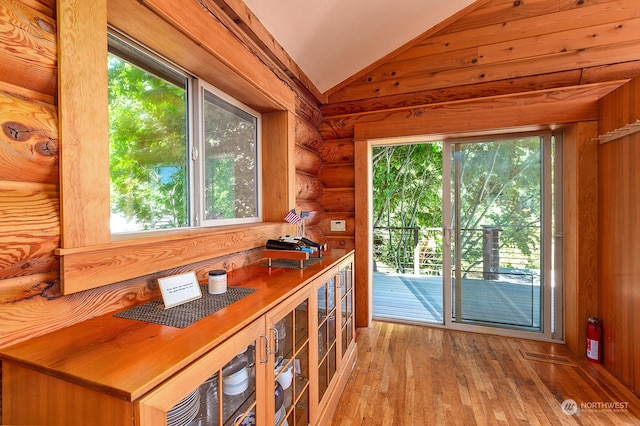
column 184, row 411
column 234, row 405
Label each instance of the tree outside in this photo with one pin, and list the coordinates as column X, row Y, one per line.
column 500, row 187
column 147, row 149
column 407, row 197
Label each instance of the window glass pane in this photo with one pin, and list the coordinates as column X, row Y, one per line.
column 148, row 140
column 230, row 161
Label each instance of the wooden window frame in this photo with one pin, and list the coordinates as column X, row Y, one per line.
column 189, row 36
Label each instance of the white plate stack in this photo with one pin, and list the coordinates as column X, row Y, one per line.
column 184, row 411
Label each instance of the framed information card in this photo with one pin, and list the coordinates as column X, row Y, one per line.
column 179, row 289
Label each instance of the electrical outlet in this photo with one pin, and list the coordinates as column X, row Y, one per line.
column 338, row 225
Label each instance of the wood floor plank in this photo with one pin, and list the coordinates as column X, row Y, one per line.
column 419, row 375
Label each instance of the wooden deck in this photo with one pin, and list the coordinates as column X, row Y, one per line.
column 419, row 298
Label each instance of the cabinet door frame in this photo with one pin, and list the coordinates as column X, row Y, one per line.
column 274, row 316
column 151, row 409
column 320, row 406
column 343, row 352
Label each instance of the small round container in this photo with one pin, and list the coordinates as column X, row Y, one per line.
column 217, row 281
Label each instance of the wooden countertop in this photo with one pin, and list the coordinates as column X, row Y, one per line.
column 127, row 358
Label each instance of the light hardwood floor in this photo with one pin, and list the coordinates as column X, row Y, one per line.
column 416, row 375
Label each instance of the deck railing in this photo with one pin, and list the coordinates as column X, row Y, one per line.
column 419, row 250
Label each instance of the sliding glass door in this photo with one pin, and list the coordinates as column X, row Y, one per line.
column 498, row 214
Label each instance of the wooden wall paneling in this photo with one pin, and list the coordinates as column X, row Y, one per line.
column 427, row 64
column 28, row 51
column 346, row 242
column 580, row 242
column 29, row 229
column 565, row 61
column 307, row 161
column 610, row 72
column 337, row 176
column 466, row 92
column 598, row 74
column 307, row 135
column 619, row 250
column 607, row 34
column 25, row 93
column 453, row 38
column 29, row 140
column 338, row 199
column 308, row 187
column 314, row 233
column 337, row 151
column 27, row 286
column 499, row 11
column 619, row 258
column 82, row 93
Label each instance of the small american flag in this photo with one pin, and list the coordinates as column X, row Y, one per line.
column 292, row 217
column 304, row 215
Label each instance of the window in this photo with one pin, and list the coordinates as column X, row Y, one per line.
column 230, row 157
column 163, row 175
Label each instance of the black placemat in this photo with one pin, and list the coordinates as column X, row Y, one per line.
column 291, row 263
column 183, row 315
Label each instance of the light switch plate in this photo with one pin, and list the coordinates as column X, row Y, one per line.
column 338, row 225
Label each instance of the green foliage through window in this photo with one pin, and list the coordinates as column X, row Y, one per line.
column 147, row 149
column 182, row 153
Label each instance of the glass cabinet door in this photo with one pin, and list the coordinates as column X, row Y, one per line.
column 327, row 351
column 289, row 347
column 346, row 309
column 217, row 389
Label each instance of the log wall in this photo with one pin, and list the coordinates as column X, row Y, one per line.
column 501, row 66
column 30, row 220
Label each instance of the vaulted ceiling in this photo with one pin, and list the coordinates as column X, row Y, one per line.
column 374, row 54
column 331, row 40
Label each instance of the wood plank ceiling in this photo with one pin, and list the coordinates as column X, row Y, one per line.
column 503, row 47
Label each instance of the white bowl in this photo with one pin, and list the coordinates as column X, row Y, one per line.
column 235, row 389
column 235, row 378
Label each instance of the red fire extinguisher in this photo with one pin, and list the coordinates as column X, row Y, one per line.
column 594, row 340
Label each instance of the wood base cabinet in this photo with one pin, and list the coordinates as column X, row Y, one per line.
column 284, row 362
column 229, row 379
